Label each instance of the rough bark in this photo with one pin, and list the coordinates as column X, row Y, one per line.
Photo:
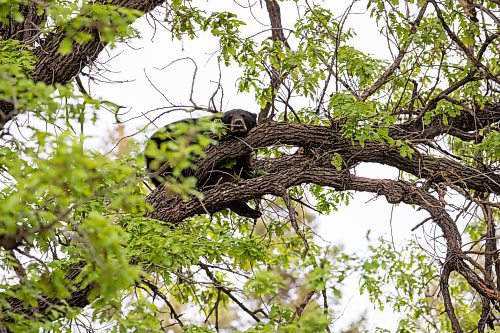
column 277, row 35
column 424, row 166
column 288, row 171
column 28, row 30
column 295, row 170
column 53, row 67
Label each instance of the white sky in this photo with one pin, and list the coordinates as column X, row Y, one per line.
column 350, row 224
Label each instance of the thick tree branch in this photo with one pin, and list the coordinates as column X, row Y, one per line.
column 53, row 67
column 448, row 305
column 328, row 140
column 485, row 315
column 29, row 29
column 460, row 126
column 306, row 170
column 49, row 306
column 295, row 170
column 290, row 171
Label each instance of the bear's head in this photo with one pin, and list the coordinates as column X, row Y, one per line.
column 239, row 122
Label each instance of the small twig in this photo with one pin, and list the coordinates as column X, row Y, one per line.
column 158, row 293
column 325, row 306
column 302, row 306
column 226, row 291
column 421, row 223
column 293, row 218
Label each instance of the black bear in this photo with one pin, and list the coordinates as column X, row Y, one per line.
column 237, row 123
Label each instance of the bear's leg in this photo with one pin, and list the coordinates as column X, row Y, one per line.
column 241, row 208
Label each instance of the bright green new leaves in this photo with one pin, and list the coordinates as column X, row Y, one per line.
column 151, row 242
column 60, row 198
column 362, row 121
column 16, row 57
column 106, row 22
column 17, row 62
column 51, row 186
column 329, row 200
column 358, row 67
column 9, row 10
column 190, row 21
column 46, row 102
column 16, row 87
column 84, row 22
column 407, row 280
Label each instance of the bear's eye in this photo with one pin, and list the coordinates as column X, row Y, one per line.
column 244, row 115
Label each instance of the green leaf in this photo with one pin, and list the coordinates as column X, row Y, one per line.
column 66, row 46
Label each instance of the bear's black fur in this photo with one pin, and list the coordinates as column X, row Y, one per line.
column 238, row 123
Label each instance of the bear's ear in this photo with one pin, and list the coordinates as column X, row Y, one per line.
column 254, row 115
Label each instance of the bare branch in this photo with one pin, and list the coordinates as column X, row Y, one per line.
column 277, row 34
column 455, row 324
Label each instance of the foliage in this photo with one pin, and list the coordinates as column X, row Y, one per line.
column 79, row 247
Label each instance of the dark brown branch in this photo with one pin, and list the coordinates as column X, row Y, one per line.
column 28, row 30
column 485, row 316
column 448, row 305
column 433, row 102
column 491, row 256
column 486, row 43
column 274, row 11
column 458, row 126
column 48, row 307
column 293, row 218
column 53, row 67
column 327, row 139
column 298, row 169
column 305, row 302
column 277, row 35
column 306, row 170
column 311, row 170
column 156, row 291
